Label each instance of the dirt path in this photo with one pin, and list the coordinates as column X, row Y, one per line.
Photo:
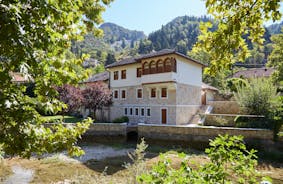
column 20, row 176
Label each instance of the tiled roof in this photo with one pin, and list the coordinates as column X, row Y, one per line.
column 150, row 55
column 206, row 86
column 254, row 73
column 98, row 77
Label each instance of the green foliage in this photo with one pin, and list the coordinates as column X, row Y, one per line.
column 276, row 57
column 276, row 115
column 1, row 153
column 138, row 165
column 122, row 119
column 235, row 19
column 113, row 32
column 181, row 34
column 257, row 97
column 110, row 59
column 253, row 122
column 230, row 162
column 233, row 83
column 35, row 37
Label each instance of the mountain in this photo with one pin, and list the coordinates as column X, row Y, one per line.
column 275, row 28
column 114, row 32
column 181, row 34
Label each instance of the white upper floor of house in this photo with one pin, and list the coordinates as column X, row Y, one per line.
column 165, row 66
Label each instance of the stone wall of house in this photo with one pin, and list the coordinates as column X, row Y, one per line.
column 224, row 107
column 199, row 134
column 184, row 114
column 188, row 94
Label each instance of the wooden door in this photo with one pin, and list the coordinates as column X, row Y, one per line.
column 203, row 98
column 163, row 116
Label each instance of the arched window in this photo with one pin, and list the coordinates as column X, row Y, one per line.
column 152, row 67
column 145, row 68
column 174, row 64
column 160, row 66
column 168, row 65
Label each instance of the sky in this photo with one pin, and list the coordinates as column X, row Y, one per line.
column 150, row 15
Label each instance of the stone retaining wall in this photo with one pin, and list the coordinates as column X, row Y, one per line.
column 199, row 134
column 224, row 107
column 107, row 129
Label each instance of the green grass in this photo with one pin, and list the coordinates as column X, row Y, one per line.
column 59, row 118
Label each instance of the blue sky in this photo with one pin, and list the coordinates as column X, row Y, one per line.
column 150, row 15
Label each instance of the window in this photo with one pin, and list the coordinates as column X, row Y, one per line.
column 145, row 68
column 116, row 75
column 139, row 72
column 168, row 65
column 163, row 92
column 136, row 111
column 160, row 66
column 152, row 67
column 131, row 111
column 116, row 94
column 123, row 94
column 123, row 74
column 139, row 93
column 148, row 113
column 125, row 111
column 142, row 111
column 174, row 64
column 153, row 93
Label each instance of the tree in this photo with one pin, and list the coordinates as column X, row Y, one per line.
column 276, row 57
column 71, row 96
column 96, row 96
column 110, row 59
column 257, row 97
column 34, row 37
column 235, row 19
column 123, row 45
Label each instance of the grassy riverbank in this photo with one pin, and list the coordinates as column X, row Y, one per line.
column 111, row 170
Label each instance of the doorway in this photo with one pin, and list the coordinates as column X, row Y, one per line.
column 164, row 116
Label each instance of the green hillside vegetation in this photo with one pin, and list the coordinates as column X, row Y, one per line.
column 113, row 33
column 275, row 28
column 181, row 34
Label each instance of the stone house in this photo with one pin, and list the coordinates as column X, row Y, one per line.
column 161, row 87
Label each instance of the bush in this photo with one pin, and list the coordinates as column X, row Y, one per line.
column 229, row 162
column 257, row 97
column 253, row 122
column 122, row 119
column 233, row 83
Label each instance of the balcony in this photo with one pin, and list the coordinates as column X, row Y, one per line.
column 159, row 78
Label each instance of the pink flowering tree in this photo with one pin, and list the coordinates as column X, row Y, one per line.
column 96, row 96
column 71, row 96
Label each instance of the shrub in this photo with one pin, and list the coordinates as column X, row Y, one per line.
column 253, row 122
column 233, row 83
column 257, row 97
column 229, row 161
column 138, row 165
column 122, row 119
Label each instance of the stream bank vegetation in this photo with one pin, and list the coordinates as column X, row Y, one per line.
column 227, row 160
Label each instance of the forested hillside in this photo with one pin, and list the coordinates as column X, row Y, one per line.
column 113, row 33
column 275, row 28
column 181, row 34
